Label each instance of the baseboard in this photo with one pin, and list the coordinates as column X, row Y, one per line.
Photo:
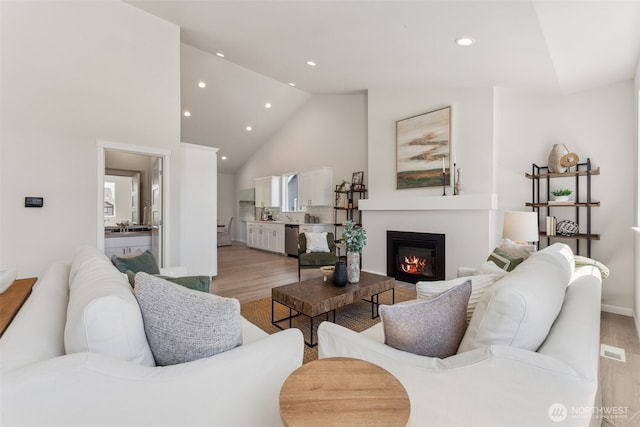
column 623, row 311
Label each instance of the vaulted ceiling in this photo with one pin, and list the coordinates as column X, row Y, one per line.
column 542, row 45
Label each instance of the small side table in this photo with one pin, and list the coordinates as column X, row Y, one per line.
column 341, row 391
column 12, row 299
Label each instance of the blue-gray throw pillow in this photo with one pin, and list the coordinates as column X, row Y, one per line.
column 197, row 283
column 144, row 262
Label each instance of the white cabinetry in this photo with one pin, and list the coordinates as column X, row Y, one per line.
column 268, row 192
column 266, row 236
column 126, row 244
column 315, row 187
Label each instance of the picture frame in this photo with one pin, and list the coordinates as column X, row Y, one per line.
column 423, row 150
column 357, row 180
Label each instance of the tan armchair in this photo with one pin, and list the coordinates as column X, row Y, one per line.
column 315, row 259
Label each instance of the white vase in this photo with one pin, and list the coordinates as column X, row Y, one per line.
column 555, row 156
column 353, row 267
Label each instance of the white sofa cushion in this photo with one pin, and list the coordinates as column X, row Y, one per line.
column 518, row 250
column 428, row 327
column 521, row 308
column 103, row 315
column 182, row 324
column 37, row 331
column 479, row 285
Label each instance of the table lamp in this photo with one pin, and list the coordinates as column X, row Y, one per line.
column 521, row 227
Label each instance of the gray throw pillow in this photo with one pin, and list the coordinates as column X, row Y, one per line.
column 431, row 327
column 184, row 325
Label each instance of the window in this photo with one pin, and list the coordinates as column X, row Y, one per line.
column 109, row 199
column 290, row 192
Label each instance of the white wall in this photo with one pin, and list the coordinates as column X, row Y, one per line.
column 469, row 233
column 198, row 202
column 498, row 133
column 329, row 130
column 73, row 73
column 598, row 124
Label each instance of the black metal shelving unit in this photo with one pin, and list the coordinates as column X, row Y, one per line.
column 350, row 212
column 541, row 177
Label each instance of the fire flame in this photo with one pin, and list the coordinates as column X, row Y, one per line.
column 413, row 265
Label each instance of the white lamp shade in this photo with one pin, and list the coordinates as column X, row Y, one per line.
column 520, row 226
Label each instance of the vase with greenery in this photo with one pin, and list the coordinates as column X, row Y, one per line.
column 354, row 238
column 561, row 195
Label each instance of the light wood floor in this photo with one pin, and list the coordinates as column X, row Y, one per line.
column 249, row 274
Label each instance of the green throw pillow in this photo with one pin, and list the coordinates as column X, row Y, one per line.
column 145, row 262
column 198, row 283
column 504, row 261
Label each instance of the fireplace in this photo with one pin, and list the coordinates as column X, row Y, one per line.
column 414, row 257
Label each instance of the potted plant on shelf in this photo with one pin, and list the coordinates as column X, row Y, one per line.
column 354, row 237
column 561, row 195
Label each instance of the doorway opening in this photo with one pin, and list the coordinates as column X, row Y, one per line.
column 132, row 199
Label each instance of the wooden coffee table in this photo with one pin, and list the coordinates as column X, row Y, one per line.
column 314, row 297
column 341, row 391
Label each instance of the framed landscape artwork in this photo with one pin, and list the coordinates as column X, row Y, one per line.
column 424, row 149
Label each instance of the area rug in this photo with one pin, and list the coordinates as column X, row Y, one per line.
column 356, row 317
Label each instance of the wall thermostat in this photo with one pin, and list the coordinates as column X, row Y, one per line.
column 33, row 202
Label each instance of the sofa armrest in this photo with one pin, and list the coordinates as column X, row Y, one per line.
column 483, row 382
column 239, row 387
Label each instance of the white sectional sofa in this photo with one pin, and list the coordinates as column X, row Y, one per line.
column 42, row 385
column 503, row 384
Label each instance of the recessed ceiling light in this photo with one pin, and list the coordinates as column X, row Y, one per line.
column 267, row 105
column 224, row 157
column 292, row 84
column 465, row 41
column 311, row 63
column 187, row 114
column 220, row 54
column 202, row 85
column 249, row 128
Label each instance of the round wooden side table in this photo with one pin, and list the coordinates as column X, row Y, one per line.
column 341, row 391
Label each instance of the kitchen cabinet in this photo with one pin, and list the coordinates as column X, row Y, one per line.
column 124, row 244
column 315, row 187
column 266, row 236
column 268, row 192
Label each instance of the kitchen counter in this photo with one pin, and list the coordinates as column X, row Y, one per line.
column 130, row 231
column 290, row 223
column 111, row 234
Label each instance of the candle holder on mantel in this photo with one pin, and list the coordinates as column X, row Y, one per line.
column 455, row 193
column 444, row 191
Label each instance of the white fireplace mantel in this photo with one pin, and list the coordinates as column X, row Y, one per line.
column 461, row 202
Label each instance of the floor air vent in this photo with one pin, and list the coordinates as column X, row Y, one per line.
column 612, row 352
